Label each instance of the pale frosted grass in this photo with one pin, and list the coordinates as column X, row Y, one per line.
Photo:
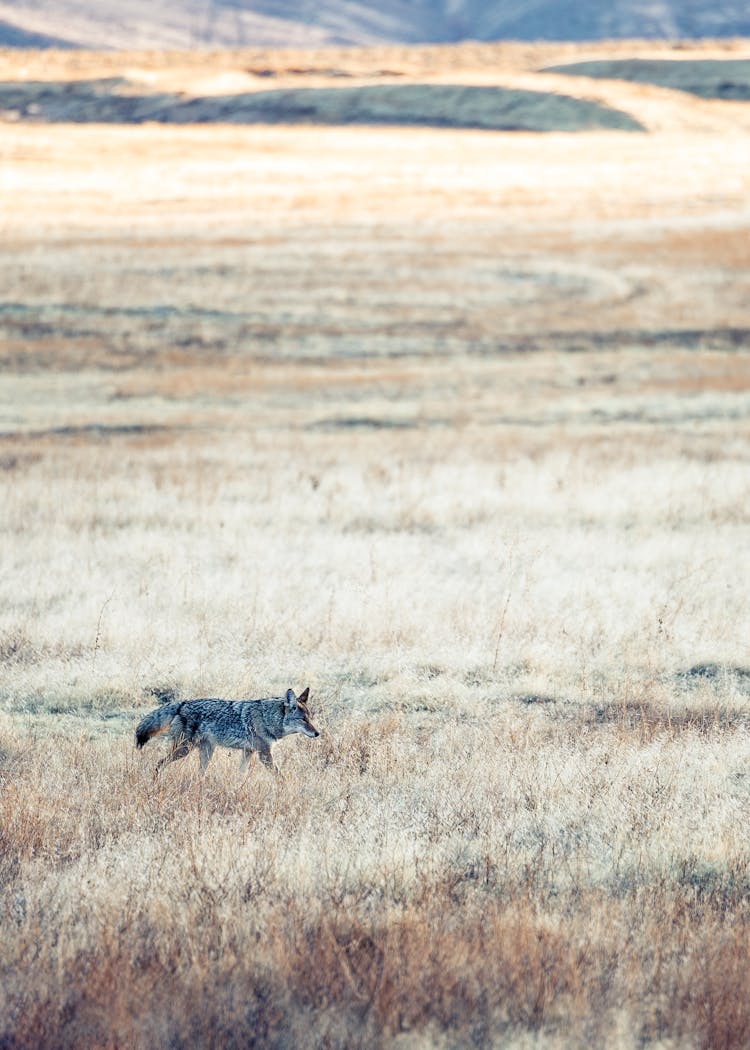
column 242, row 569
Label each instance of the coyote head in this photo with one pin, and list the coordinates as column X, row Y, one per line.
column 296, row 714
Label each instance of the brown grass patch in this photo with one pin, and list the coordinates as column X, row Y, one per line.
column 186, row 912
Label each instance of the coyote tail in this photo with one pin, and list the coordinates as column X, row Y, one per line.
column 157, row 721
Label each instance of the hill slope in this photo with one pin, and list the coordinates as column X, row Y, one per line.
column 295, row 23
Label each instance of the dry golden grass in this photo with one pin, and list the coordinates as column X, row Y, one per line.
column 455, row 428
column 502, row 881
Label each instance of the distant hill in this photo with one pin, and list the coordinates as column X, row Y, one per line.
column 299, row 23
column 12, row 36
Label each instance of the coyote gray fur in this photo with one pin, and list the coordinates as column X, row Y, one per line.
column 247, row 725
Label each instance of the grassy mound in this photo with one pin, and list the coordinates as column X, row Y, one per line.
column 445, row 106
column 709, row 78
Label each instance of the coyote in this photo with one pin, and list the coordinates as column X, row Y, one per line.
column 248, row 725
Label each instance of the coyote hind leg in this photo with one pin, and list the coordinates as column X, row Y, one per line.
column 247, row 754
column 207, row 749
column 180, row 749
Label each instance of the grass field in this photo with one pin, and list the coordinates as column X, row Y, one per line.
column 452, row 426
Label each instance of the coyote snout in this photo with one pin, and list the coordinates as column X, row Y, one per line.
column 247, row 725
column 297, row 716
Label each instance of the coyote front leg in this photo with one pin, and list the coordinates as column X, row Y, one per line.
column 264, row 754
column 247, row 754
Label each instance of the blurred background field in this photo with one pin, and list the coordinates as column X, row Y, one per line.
column 228, row 23
column 452, row 425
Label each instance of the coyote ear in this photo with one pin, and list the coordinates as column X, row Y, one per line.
column 290, row 697
column 302, row 698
